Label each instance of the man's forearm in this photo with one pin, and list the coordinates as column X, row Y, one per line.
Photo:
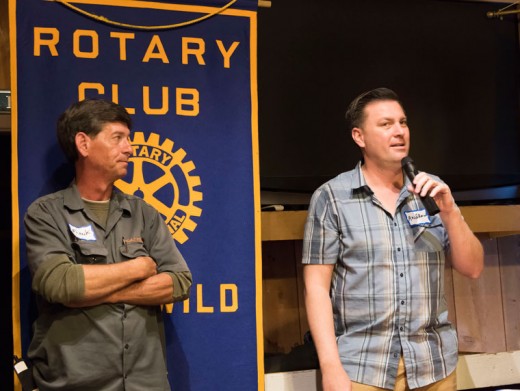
column 467, row 254
column 155, row 290
column 102, row 281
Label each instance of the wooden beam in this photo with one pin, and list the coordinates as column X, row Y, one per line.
column 495, row 220
column 283, row 225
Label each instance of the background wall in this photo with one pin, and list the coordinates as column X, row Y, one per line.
column 456, row 71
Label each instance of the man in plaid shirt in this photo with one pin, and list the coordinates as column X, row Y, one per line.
column 374, row 263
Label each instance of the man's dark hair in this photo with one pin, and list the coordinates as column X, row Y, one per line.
column 88, row 116
column 356, row 110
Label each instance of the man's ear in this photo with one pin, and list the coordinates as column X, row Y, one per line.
column 357, row 136
column 82, row 143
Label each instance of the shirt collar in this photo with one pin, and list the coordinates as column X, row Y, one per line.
column 72, row 199
column 359, row 185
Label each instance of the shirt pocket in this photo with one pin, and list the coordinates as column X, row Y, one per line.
column 131, row 250
column 90, row 252
column 429, row 239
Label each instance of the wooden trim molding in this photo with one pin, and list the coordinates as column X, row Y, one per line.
column 495, row 220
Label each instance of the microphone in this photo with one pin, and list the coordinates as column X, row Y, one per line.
column 410, row 171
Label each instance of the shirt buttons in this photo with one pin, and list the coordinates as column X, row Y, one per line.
column 398, row 248
column 126, row 346
column 401, row 275
column 402, row 301
column 401, row 328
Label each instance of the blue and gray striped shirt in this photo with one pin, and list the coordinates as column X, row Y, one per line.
column 387, row 288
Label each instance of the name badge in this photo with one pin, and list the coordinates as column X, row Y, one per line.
column 417, row 217
column 83, row 233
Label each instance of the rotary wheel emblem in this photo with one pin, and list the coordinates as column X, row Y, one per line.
column 162, row 178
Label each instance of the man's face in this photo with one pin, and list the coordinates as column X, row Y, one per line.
column 109, row 151
column 384, row 135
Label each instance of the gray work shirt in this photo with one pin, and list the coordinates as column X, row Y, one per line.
column 107, row 346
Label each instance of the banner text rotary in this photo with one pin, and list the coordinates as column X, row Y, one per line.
column 85, row 44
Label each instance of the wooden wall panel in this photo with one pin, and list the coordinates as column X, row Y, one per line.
column 282, row 317
column 304, row 324
column 509, row 255
column 486, row 311
column 478, row 305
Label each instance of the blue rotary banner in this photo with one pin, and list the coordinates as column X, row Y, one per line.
column 187, row 75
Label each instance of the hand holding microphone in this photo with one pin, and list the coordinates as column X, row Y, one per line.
column 411, row 172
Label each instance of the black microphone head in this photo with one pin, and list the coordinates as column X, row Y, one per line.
column 406, row 160
column 408, row 167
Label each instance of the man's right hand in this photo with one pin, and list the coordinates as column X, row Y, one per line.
column 147, row 265
column 336, row 380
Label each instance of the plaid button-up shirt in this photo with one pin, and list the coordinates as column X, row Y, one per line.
column 387, row 288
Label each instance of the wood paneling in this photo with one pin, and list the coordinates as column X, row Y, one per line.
column 486, row 311
column 304, row 325
column 493, row 219
column 281, row 306
column 283, row 225
column 478, row 306
column 509, row 256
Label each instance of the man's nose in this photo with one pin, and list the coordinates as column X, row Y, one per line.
column 127, row 147
column 398, row 129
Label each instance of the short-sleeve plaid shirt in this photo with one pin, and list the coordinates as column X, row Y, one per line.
column 387, row 288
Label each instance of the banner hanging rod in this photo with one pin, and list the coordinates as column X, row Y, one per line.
column 502, row 12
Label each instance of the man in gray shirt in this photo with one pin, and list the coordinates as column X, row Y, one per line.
column 102, row 264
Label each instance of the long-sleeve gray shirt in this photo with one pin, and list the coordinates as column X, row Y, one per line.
column 108, row 346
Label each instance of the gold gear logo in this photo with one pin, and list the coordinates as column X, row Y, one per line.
column 157, row 173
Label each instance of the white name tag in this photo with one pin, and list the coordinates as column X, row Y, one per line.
column 417, row 217
column 83, row 233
